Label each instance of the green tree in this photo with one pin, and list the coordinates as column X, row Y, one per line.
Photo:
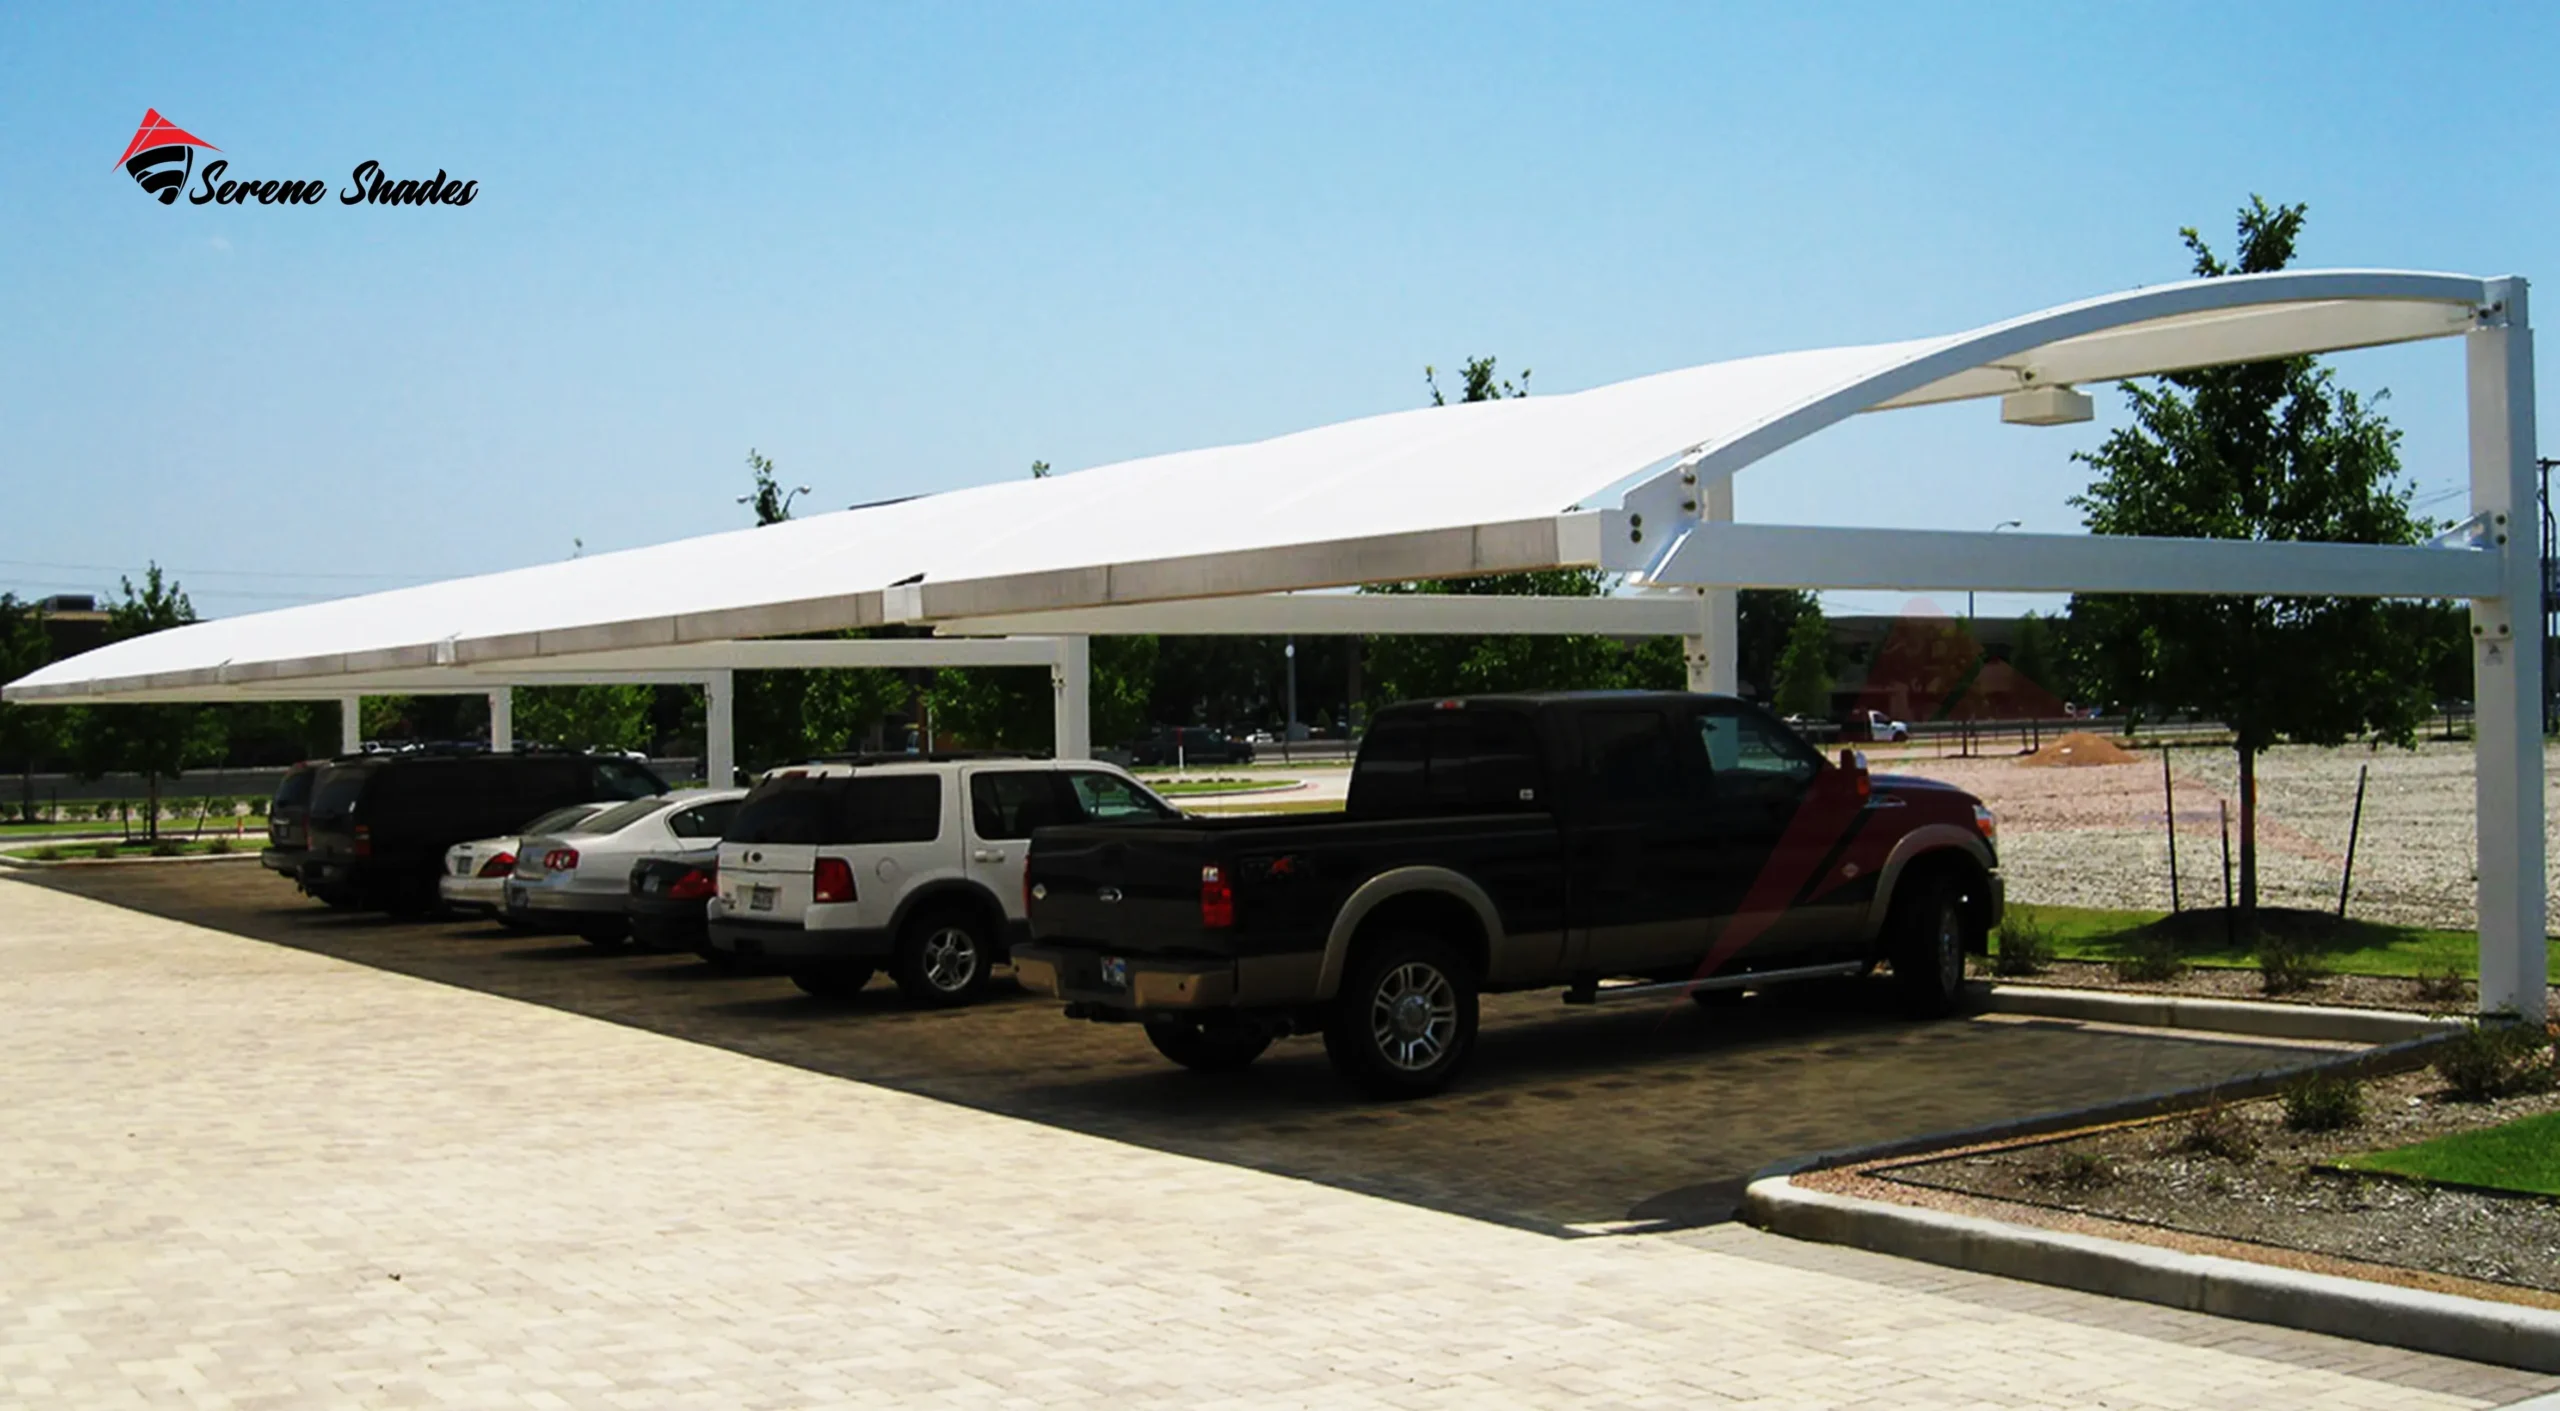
column 1804, row 672
column 156, row 741
column 2268, row 451
column 1766, row 620
column 585, row 717
column 2037, row 656
column 27, row 733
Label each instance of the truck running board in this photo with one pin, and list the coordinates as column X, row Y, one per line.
column 1608, row 994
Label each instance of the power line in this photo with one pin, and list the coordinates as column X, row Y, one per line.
column 217, row 572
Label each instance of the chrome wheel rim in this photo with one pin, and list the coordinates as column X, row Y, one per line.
column 1950, row 949
column 950, row 958
column 1413, row 1016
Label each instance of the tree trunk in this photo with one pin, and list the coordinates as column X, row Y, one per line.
column 2248, row 834
column 151, row 825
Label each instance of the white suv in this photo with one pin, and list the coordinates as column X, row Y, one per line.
column 835, row 871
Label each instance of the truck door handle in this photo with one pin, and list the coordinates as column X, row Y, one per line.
column 988, row 855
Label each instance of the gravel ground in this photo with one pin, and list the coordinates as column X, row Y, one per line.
column 2092, row 836
column 2275, row 1197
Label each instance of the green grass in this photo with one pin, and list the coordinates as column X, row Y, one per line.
column 1259, row 806
column 2523, row 1155
column 2356, row 948
column 1197, row 787
column 187, row 847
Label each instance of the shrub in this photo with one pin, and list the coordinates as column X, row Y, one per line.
column 2494, row 1060
column 2076, row 1170
column 2026, row 943
column 2153, row 956
column 107, row 850
column 2286, row 963
column 2324, row 1102
column 2217, row 1131
column 218, row 845
column 2443, row 987
column 167, row 847
column 48, row 854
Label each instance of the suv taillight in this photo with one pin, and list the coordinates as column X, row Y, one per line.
column 498, row 865
column 831, row 880
column 560, row 860
column 1217, row 899
column 364, row 841
column 698, row 885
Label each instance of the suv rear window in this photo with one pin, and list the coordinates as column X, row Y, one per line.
column 296, row 788
column 896, row 808
column 336, row 797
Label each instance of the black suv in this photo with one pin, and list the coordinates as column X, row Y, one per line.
column 288, row 819
column 379, row 824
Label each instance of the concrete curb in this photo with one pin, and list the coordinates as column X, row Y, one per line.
column 35, row 864
column 2450, row 1326
column 2226, row 1016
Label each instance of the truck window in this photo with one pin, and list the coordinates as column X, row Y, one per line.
column 1744, row 745
column 1630, row 761
column 894, row 808
column 1010, row 803
column 1104, row 797
column 621, row 779
column 1483, row 761
column 1391, row 777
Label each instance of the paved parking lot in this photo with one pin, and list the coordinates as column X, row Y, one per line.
column 241, row 1175
column 1572, row 1117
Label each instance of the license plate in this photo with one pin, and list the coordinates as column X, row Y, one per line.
column 760, row 899
column 515, row 899
column 649, row 884
column 1115, row 972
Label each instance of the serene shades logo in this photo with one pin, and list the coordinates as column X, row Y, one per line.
column 162, row 157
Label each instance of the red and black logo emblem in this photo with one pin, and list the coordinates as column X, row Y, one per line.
column 161, row 156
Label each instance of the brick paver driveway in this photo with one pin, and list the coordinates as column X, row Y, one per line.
column 246, row 1175
column 1571, row 1117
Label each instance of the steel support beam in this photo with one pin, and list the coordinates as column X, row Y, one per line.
column 350, row 724
column 1071, row 691
column 1353, row 615
column 719, row 730
column 1801, row 556
column 502, row 718
column 2506, row 665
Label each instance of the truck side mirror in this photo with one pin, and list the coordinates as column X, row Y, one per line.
column 1854, row 764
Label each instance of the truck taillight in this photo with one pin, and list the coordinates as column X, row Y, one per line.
column 697, row 885
column 560, row 860
column 364, row 840
column 831, row 880
column 1217, row 899
column 498, row 865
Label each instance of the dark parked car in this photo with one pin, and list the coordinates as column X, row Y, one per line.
column 667, row 897
column 289, row 819
column 1189, row 745
column 380, row 824
column 1618, row 844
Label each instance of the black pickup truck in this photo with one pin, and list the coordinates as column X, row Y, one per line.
column 1613, row 843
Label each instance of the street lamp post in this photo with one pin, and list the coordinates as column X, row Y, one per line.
column 1968, row 593
column 1289, row 732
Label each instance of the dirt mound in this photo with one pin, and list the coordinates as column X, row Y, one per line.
column 2082, row 748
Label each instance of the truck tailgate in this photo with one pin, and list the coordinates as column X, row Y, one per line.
column 1114, row 882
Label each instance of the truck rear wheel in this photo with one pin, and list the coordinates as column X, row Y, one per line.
column 1208, row 1047
column 942, row 958
column 1406, row 1018
column 1926, row 938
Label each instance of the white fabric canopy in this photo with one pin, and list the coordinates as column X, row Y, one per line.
column 1480, row 487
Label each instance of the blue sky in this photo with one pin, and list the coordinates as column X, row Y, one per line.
column 902, row 249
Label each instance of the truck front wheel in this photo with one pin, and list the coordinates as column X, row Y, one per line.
column 1208, row 1047
column 1406, row 1018
column 1926, row 936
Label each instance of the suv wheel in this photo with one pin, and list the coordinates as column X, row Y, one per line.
column 1926, row 943
column 1212, row 1047
column 827, row 982
column 942, row 958
column 1406, row 1018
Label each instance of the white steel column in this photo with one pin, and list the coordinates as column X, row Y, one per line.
column 350, row 724
column 1714, row 652
column 2506, row 662
column 1071, row 690
column 719, row 730
column 502, row 718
